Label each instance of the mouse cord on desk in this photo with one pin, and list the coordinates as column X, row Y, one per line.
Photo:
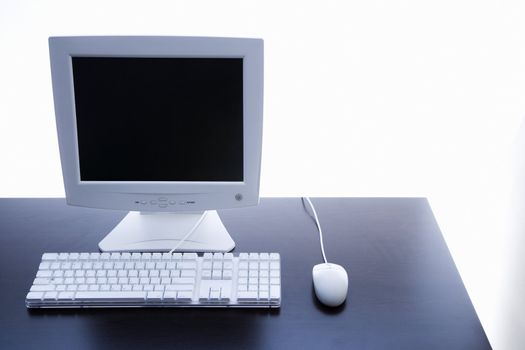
column 318, row 225
column 197, row 224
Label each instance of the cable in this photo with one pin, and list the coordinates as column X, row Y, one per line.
column 318, row 226
column 197, row 224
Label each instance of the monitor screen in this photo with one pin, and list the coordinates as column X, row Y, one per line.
column 159, row 119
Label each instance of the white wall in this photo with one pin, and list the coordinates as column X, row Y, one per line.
column 362, row 98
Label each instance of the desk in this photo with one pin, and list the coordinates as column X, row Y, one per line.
column 404, row 293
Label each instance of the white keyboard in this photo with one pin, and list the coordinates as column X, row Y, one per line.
column 156, row 280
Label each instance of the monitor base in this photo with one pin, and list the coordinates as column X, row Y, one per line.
column 160, row 232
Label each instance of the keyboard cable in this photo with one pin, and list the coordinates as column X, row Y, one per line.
column 316, row 219
column 197, row 224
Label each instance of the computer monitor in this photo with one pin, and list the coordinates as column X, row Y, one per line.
column 168, row 128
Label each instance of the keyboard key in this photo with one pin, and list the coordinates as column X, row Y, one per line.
column 73, row 256
column 114, row 256
column 264, row 256
column 189, row 256
column 187, row 273
column 185, row 287
column 246, row 296
column 187, row 265
column 94, row 256
column 110, row 296
column 170, row 296
column 42, row 288
column 206, row 274
column 243, row 256
column 275, row 292
column 84, row 256
column 184, row 296
column 49, row 256
column 45, row 273
column 66, row 296
column 183, row 280
column 34, row 296
column 215, row 294
column 154, row 296
column 156, row 256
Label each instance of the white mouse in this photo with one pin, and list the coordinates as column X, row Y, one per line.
column 330, row 283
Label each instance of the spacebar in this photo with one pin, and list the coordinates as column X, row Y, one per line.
column 110, row 296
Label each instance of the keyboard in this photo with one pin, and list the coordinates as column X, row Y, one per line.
column 156, row 280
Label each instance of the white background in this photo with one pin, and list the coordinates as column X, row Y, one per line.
column 362, row 98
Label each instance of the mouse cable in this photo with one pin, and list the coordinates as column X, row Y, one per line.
column 197, row 224
column 318, row 225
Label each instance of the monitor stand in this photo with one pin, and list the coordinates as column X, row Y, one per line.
column 161, row 232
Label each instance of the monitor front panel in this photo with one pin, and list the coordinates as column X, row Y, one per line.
column 159, row 119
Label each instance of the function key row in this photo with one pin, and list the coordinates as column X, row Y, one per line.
column 117, row 265
column 259, row 256
column 118, row 256
column 157, row 256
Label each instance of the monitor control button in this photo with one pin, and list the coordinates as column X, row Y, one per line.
column 172, row 202
column 163, row 199
column 163, row 205
column 153, row 202
column 143, row 202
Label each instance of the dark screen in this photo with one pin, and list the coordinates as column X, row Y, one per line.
column 159, row 119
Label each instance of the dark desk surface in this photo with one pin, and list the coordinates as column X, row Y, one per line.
column 404, row 292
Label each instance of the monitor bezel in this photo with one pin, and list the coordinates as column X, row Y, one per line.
column 158, row 195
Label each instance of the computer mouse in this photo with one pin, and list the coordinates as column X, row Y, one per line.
column 330, row 283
